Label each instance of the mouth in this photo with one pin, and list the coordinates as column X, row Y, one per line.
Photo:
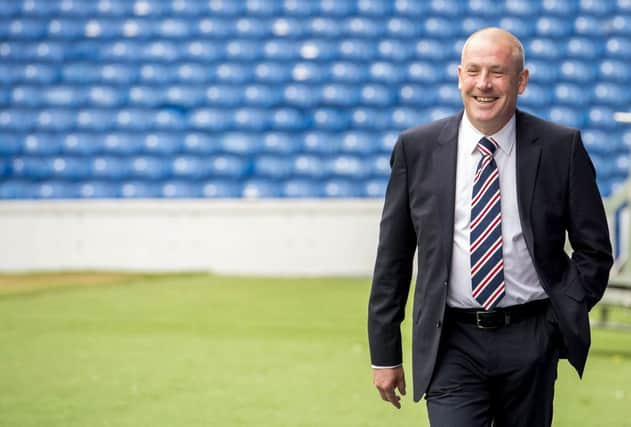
column 485, row 99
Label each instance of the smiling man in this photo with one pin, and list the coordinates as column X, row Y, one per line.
column 487, row 198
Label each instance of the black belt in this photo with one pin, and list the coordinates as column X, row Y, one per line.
column 499, row 317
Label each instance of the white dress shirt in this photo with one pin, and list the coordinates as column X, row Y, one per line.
column 522, row 283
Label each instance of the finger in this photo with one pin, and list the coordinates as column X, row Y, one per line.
column 394, row 399
column 401, row 386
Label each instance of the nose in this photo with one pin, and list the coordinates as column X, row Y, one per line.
column 483, row 82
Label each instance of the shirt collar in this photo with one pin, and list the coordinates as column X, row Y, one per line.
column 505, row 137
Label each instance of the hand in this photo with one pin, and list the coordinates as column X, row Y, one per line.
column 386, row 380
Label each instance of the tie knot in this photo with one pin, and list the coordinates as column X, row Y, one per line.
column 487, row 146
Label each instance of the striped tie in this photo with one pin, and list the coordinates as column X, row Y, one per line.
column 487, row 265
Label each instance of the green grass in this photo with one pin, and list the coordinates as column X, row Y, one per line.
column 198, row 350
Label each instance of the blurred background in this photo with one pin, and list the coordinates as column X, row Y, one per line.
column 251, row 137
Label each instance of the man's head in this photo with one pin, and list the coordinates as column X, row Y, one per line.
column 491, row 75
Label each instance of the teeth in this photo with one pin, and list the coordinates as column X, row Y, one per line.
column 483, row 99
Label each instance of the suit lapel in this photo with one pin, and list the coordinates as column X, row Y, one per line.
column 528, row 156
column 444, row 165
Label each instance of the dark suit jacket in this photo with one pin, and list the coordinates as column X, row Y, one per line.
column 557, row 194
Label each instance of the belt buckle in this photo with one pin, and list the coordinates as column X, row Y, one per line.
column 481, row 323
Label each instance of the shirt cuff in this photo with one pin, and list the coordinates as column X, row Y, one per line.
column 386, row 367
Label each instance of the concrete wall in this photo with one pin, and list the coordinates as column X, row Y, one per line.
column 276, row 237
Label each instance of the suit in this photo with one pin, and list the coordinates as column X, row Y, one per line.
column 556, row 193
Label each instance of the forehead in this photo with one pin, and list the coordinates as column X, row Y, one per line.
column 487, row 51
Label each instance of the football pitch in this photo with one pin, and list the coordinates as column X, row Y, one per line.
column 106, row 349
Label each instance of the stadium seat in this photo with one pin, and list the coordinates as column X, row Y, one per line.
column 150, row 168
column 128, row 119
column 404, row 118
column 228, row 166
column 233, row 73
column 262, row 188
column 439, row 27
column 548, row 26
column 252, row 119
column 302, row 95
column 199, row 143
column 403, row 27
column 619, row 47
column 380, row 166
column 26, row 96
column 174, row 28
column 336, row 8
column 362, row 143
column 597, row 142
column 286, row 119
column 572, row 95
column 272, row 72
column 83, row 144
column 377, row 95
column 222, row 189
column 205, row 50
column 396, row 50
column 301, row 188
column 611, row 94
column 566, row 116
column 224, row 95
column 560, row 7
column 619, row 25
column 23, row 28
column 308, row 166
column 181, row 189
column 386, row 72
column 475, row 23
column 449, row 94
column 424, row 72
column 39, row 144
column 190, row 167
column 17, row 119
column 10, row 144
column 601, row 117
column 319, row 142
column 432, row 50
column 243, row 50
column 588, row 25
column 272, row 167
column 578, row 71
column 16, row 189
column 123, row 143
column 99, row 190
column 55, row 119
column 369, row 118
column 330, row 119
column 375, row 188
column 597, row 7
column 584, row 48
column 410, row 8
column 324, row 27
column 280, row 143
column 318, row 50
column 545, row 49
column 158, row 74
column 140, row 189
column 309, row 72
column 289, row 27
column 340, row 95
column 536, row 95
column 525, row 8
column 281, row 50
column 162, row 143
column 240, row 143
column 522, row 27
column 357, row 26
column 262, row 95
column 110, row 168
column 357, row 50
column 542, row 71
column 214, row 119
column 341, row 188
column 374, row 7
column 346, row 166
column 55, row 190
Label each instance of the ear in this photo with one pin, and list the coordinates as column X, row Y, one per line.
column 459, row 72
column 523, row 80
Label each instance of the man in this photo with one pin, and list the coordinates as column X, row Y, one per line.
column 488, row 197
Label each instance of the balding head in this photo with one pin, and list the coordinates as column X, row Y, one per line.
column 500, row 37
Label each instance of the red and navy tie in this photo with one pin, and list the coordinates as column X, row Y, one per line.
column 487, row 265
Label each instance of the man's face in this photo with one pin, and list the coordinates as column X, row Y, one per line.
column 489, row 80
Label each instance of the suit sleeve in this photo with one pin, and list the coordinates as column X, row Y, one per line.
column 393, row 267
column 587, row 226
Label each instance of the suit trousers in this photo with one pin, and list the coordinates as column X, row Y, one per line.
column 501, row 377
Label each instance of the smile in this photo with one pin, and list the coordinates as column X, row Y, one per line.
column 484, row 99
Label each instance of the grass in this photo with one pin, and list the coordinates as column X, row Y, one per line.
column 197, row 350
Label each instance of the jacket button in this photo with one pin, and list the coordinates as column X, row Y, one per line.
column 438, row 324
column 445, row 283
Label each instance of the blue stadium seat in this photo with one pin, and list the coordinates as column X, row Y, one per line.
column 205, row 50
column 387, row 141
column 348, row 72
column 548, row 26
column 222, row 189
column 288, row 27
column 8, row 8
column 280, row 143
column 31, row 167
column 211, row 119
column 190, row 167
column 140, row 189
column 601, row 117
column 309, row 72
column 31, row 73
column 318, row 50
column 99, row 190
column 330, row 119
column 323, row 27
column 377, row 95
column 23, row 28
column 303, row 188
column 272, row 72
column 424, row 72
column 252, row 119
column 542, row 71
column 110, row 51
column 224, row 95
column 545, row 48
column 308, row 166
column 300, row 8
column 162, row 143
column 55, row 190
column 66, row 28
column 234, row 73
column 71, row 168
column 374, row 7
column 123, row 143
column 597, row 7
column 184, row 96
column 402, row 27
column 110, row 168
column 363, row 143
column 16, row 119
column 106, row 96
column 41, row 144
column 228, row 166
column 199, row 143
column 188, row 8
column 619, row 47
column 611, row 94
column 536, row 95
column 340, row 95
column 396, row 50
column 128, row 119
column 152, row 168
column 584, row 48
column 386, row 72
column 572, row 95
column 173, row 28
column 290, row 119
column 357, row 26
column 438, row 27
column 432, row 50
column 522, row 7
column 597, row 142
column 567, row 116
column 65, row 96
column 181, row 189
column 10, row 144
column 619, row 25
column 83, row 144
column 240, row 143
column 33, row 51
column 375, row 188
column 262, row 95
column 26, row 96
column 259, row 188
column 56, row 119
column 578, row 71
column 281, row 50
column 370, row 118
column 404, row 118
column 587, row 25
column 342, row 188
column 449, row 94
column 486, row 8
column 411, row 8
column 336, row 7
column 117, row 74
column 346, row 166
column 446, row 7
column 16, row 189
column 560, row 7
column 244, row 50
column 321, row 142
column 380, row 166
column 357, row 50
column 475, row 23
column 302, row 95
column 520, row 26
column 272, row 167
